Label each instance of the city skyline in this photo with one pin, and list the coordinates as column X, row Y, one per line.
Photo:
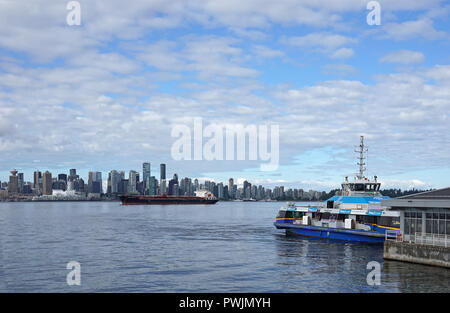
column 117, row 183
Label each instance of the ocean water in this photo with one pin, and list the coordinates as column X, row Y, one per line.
column 226, row 247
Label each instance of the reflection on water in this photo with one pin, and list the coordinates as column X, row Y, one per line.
column 411, row 277
column 227, row 247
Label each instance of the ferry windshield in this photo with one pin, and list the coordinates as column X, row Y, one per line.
column 285, row 214
column 365, row 187
column 357, row 187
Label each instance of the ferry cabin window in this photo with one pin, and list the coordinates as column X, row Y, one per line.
column 372, row 187
column 366, row 219
column 389, row 221
column 359, row 187
column 298, row 214
column 281, row 214
column 289, row 214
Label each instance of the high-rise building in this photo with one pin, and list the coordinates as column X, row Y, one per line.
column 73, row 173
column 231, row 187
column 13, row 186
column 146, row 173
column 97, row 178
column 62, row 177
column 47, row 183
column 220, row 191
column 37, row 180
column 123, row 186
column 115, row 179
column 20, row 182
column 196, row 185
column 153, row 185
column 132, row 182
column 162, row 187
column 162, row 170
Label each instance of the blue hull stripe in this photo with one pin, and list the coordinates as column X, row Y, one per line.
column 332, row 233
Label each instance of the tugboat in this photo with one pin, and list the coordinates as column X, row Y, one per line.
column 201, row 197
column 354, row 214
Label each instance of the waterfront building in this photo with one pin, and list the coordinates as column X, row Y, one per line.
column 423, row 213
column 13, row 185
column 424, row 228
column 47, row 183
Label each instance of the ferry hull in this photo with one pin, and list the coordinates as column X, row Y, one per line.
column 332, row 233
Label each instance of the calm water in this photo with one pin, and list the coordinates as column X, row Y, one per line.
column 227, row 247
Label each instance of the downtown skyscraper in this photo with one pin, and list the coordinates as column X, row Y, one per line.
column 146, row 173
column 162, row 171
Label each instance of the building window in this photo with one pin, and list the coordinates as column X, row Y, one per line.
column 437, row 222
column 413, row 222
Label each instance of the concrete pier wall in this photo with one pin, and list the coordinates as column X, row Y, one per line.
column 417, row 253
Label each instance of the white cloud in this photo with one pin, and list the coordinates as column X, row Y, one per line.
column 327, row 43
column 96, row 94
column 421, row 28
column 343, row 53
column 403, row 57
column 324, row 41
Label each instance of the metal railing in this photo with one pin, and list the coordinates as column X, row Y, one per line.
column 419, row 238
column 431, row 239
column 393, row 235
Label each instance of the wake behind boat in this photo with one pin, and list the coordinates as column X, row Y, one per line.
column 355, row 214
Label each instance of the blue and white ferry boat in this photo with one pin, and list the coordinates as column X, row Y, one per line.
column 355, row 214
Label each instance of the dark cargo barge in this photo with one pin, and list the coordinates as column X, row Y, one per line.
column 164, row 199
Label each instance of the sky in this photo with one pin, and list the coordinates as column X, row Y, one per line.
column 106, row 94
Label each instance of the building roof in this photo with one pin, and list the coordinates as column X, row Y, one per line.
column 439, row 198
column 443, row 194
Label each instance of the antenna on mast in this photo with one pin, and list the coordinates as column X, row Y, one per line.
column 361, row 163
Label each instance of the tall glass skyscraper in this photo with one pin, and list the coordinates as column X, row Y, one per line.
column 146, row 170
column 162, row 169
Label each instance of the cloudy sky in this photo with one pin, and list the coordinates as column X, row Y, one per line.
column 106, row 94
